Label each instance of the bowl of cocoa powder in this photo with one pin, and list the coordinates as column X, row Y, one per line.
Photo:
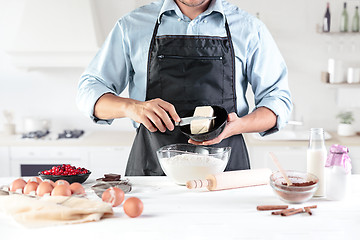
column 301, row 190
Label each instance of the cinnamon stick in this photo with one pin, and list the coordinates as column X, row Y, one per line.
column 308, row 209
column 282, row 211
column 299, row 210
column 271, row 207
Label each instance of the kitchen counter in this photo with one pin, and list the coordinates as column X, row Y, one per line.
column 335, row 139
column 175, row 212
column 98, row 138
column 125, row 138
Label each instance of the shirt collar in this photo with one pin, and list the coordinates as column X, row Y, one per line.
column 170, row 5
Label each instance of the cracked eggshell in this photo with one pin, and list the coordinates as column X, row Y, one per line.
column 115, row 196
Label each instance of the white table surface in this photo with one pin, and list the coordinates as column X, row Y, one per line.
column 175, row 212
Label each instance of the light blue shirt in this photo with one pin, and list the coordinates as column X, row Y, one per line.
column 122, row 59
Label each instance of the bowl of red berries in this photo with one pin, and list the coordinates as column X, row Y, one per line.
column 66, row 172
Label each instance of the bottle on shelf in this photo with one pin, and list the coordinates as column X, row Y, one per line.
column 326, row 20
column 344, row 20
column 316, row 158
column 355, row 21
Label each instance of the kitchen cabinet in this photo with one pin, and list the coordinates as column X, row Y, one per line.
column 108, row 160
column 354, row 154
column 290, row 157
column 27, row 161
column 100, row 152
column 292, row 154
column 4, row 162
column 99, row 160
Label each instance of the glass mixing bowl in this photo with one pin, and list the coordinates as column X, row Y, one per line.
column 303, row 188
column 184, row 162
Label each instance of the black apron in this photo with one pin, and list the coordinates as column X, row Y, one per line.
column 187, row 71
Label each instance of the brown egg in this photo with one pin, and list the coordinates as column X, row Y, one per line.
column 58, row 182
column 133, row 207
column 30, row 187
column 49, row 181
column 35, row 179
column 61, row 190
column 17, row 184
column 77, row 188
column 113, row 195
column 44, row 188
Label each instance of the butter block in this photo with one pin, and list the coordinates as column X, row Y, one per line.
column 202, row 126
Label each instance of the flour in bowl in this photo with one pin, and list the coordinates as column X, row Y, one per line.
column 193, row 160
column 185, row 167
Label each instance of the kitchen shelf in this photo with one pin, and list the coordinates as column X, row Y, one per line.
column 339, row 33
column 342, row 85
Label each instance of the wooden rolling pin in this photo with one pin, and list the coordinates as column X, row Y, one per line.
column 232, row 179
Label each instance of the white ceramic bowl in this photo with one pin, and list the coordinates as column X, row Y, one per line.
column 184, row 162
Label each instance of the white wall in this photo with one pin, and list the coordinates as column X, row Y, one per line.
column 50, row 93
column 293, row 25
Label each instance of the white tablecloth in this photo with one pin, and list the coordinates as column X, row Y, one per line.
column 175, row 212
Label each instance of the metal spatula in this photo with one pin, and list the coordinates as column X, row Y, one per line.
column 187, row 120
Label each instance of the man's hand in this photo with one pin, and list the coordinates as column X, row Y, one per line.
column 260, row 120
column 155, row 114
column 229, row 130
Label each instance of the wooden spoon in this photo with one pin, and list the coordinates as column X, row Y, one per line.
column 274, row 158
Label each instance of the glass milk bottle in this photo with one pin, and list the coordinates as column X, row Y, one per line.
column 337, row 171
column 316, row 158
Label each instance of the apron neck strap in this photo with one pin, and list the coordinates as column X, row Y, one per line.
column 158, row 24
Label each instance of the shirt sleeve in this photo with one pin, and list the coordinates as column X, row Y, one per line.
column 108, row 72
column 268, row 75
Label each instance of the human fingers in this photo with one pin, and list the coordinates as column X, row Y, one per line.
column 216, row 140
column 169, row 108
column 194, row 142
column 142, row 112
column 232, row 117
column 156, row 121
column 148, row 124
column 163, row 115
column 225, row 133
